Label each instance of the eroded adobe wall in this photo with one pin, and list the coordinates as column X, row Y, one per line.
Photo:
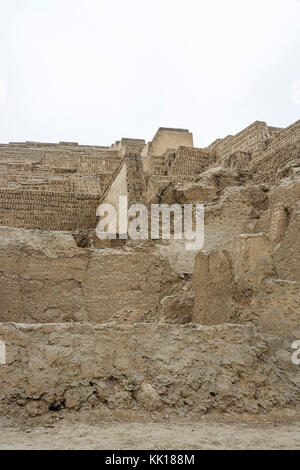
column 144, row 366
column 165, row 139
column 183, row 165
column 252, row 139
column 241, row 281
column 55, row 158
column 45, row 277
column 116, row 189
column 281, row 151
column 170, row 139
column 47, row 210
column 268, row 153
column 53, row 186
column 189, row 161
column 128, row 180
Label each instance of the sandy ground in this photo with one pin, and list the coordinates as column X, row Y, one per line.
column 222, row 432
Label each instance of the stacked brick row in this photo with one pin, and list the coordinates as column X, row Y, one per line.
column 53, row 186
column 252, row 140
column 190, row 161
column 47, row 210
column 282, row 150
column 158, row 165
column 58, row 186
column 181, row 165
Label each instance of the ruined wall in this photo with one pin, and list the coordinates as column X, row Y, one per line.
column 117, row 188
column 238, row 282
column 181, row 166
column 268, row 153
column 280, row 152
column 189, row 161
column 128, row 180
column 45, row 277
column 150, row 367
column 166, row 139
column 47, row 210
column 40, row 181
column 58, row 177
column 137, row 144
column 53, row 187
column 252, row 139
column 62, row 353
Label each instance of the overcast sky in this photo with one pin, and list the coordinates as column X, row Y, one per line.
column 94, row 71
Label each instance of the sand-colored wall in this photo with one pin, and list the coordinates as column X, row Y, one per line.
column 117, row 189
column 47, row 210
column 165, row 140
column 251, row 139
column 45, row 277
column 151, row 367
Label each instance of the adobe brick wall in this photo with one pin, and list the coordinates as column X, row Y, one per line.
column 252, row 139
column 47, row 210
column 280, row 151
column 57, row 186
column 53, row 186
column 128, row 180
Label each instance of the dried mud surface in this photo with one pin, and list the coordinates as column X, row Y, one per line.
column 130, row 432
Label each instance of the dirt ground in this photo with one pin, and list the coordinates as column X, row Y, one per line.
column 125, row 432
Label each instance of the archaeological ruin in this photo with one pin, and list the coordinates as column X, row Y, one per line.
column 146, row 324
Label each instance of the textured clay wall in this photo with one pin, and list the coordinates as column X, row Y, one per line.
column 281, row 151
column 45, row 277
column 189, row 161
column 239, row 281
column 170, row 139
column 252, row 140
column 143, row 366
column 183, row 165
column 47, row 210
column 52, row 170
column 117, row 188
column 164, row 140
column 128, row 180
column 53, row 186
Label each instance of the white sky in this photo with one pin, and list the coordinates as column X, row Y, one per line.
column 93, row 71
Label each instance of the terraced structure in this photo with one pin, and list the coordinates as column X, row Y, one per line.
column 146, row 325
